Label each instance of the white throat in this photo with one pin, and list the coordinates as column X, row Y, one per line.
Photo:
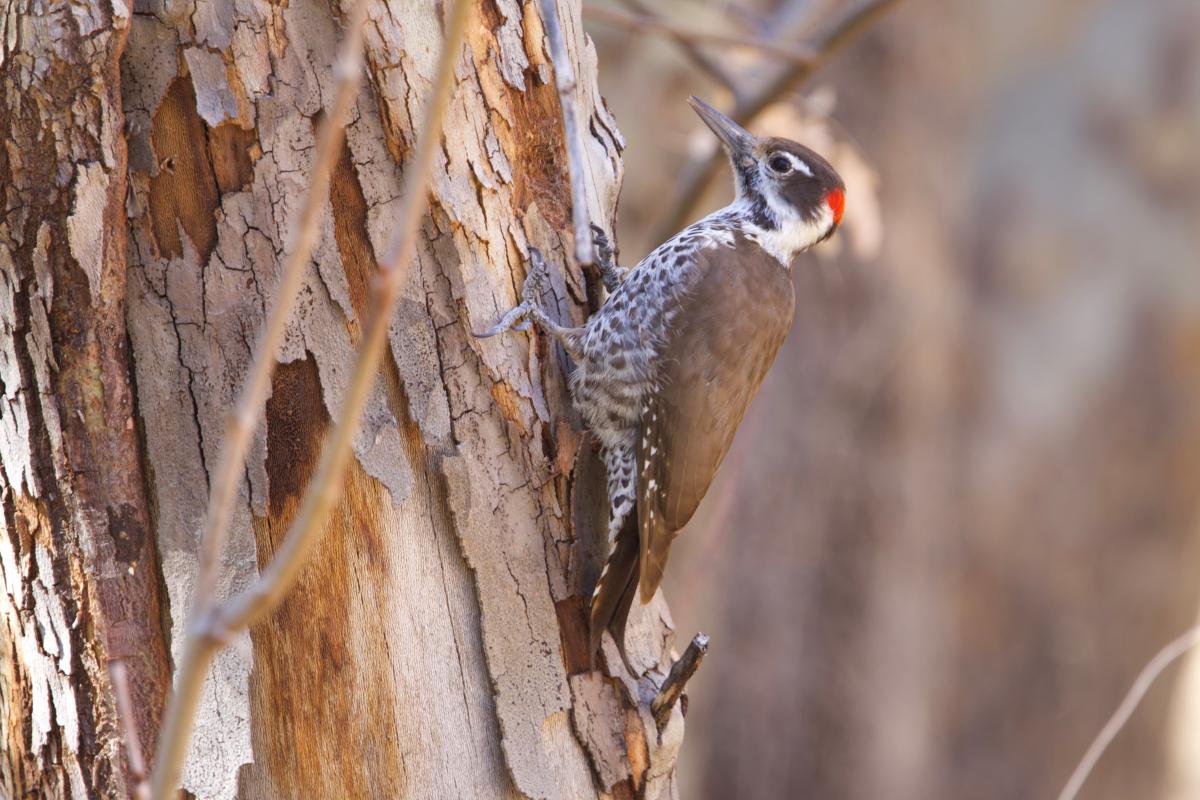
column 793, row 234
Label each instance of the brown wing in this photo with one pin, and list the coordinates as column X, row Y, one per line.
column 615, row 592
column 726, row 336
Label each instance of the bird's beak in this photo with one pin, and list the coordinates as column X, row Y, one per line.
column 736, row 139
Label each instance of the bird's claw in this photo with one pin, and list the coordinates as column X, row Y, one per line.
column 536, row 279
column 519, row 318
column 610, row 273
column 604, row 249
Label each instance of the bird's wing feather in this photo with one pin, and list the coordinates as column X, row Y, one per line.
column 615, row 591
column 731, row 325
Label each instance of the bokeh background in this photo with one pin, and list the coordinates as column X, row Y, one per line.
column 963, row 512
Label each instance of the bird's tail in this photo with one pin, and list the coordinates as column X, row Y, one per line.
column 616, row 589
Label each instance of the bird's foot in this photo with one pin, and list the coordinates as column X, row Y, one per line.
column 610, row 272
column 527, row 311
column 604, row 248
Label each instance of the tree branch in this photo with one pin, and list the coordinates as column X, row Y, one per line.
column 645, row 23
column 244, row 420
column 564, row 80
column 213, row 628
column 118, row 676
column 700, row 172
column 1163, row 659
column 693, row 53
column 677, row 679
column 265, row 593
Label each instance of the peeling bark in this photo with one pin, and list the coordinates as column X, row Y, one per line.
column 437, row 643
column 79, row 577
column 436, row 646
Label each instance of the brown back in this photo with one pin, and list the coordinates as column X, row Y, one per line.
column 729, row 330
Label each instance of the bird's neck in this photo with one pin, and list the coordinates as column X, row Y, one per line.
column 781, row 232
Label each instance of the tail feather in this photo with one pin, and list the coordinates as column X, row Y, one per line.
column 653, row 560
column 616, row 589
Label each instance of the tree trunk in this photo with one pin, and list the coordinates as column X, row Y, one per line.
column 78, row 554
column 436, row 644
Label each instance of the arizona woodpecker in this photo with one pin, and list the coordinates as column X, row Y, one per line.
column 667, row 367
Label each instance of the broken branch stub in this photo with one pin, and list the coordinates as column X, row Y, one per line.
column 681, row 672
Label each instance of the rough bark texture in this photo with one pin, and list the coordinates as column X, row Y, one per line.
column 78, row 570
column 436, row 645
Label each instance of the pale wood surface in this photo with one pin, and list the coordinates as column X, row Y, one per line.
column 432, row 648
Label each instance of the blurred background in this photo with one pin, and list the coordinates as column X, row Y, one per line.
column 963, row 511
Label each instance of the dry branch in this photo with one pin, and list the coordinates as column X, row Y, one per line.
column 693, row 53
column 697, row 175
column 181, row 708
column 677, row 679
column 564, row 81
column 213, row 626
column 646, row 23
column 1163, row 659
column 244, row 420
column 119, row 677
column 265, row 593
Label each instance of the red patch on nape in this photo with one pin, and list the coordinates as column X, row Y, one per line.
column 836, row 200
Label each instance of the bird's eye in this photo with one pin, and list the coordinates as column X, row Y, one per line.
column 781, row 164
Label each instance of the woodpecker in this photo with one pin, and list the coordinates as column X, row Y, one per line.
column 668, row 365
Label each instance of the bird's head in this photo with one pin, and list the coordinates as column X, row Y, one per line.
column 800, row 193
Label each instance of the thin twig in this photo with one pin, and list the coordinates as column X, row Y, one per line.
column 242, row 423
column 215, row 628
column 265, row 593
column 697, row 176
column 697, row 56
column 564, row 81
column 677, row 679
column 118, row 676
column 1145, row 679
column 645, row 23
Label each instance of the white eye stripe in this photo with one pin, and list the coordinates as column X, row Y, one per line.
column 798, row 164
